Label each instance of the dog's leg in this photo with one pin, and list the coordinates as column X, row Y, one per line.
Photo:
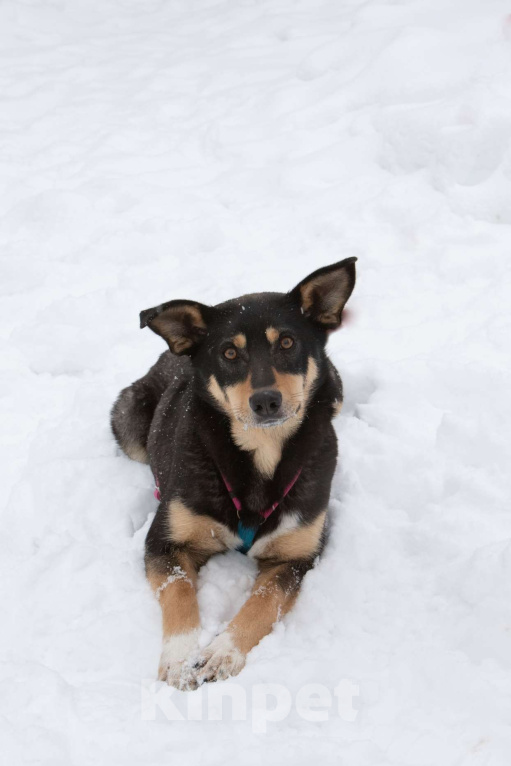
column 173, row 578
column 274, row 593
column 283, row 563
column 178, row 543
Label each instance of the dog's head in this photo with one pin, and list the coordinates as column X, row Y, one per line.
column 259, row 357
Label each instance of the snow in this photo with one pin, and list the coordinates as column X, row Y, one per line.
column 204, row 149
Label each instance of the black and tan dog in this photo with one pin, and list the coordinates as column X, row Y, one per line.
column 235, row 422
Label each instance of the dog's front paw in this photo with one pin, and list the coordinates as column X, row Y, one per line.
column 179, row 674
column 177, row 659
column 219, row 660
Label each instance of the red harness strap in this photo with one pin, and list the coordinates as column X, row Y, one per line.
column 268, row 512
column 247, row 534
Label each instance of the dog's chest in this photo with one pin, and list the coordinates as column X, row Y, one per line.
column 288, row 523
column 207, row 534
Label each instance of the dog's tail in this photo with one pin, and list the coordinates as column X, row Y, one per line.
column 134, row 409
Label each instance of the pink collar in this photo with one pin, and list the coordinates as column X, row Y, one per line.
column 268, row 512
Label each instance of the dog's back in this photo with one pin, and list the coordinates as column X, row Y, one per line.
column 134, row 409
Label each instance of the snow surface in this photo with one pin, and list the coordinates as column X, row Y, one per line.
column 202, row 149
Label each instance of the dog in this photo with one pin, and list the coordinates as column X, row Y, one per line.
column 235, row 421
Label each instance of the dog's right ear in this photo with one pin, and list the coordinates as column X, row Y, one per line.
column 182, row 324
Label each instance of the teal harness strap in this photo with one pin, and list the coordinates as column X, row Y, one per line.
column 247, row 535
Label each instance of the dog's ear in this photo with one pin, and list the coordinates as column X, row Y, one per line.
column 182, row 324
column 323, row 294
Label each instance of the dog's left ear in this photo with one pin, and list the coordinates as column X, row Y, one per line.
column 323, row 294
column 182, row 324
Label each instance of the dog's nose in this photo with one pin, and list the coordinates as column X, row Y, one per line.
column 266, row 404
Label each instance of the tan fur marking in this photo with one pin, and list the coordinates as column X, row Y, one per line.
column 337, row 407
column 272, row 334
column 176, row 313
column 136, row 452
column 298, row 544
column 238, row 396
column 310, row 377
column 333, row 288
column 265, row 443
column 297, row 388
column 180, row 344
column 201, row 532
column 176, row 594
column 307, row 292
column 291, row 386
column 234, row 399
column 170, row 324
column 216, row 392
column 240, row 340
column 265, row 606
column 197, row 317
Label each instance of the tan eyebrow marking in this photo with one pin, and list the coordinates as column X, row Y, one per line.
column 272, row 334
column 240, row 340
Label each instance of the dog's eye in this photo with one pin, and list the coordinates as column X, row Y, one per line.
column 286, row 342
column 230, row 353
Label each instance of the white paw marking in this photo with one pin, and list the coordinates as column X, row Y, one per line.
column 177, row 659
column 220, row 660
